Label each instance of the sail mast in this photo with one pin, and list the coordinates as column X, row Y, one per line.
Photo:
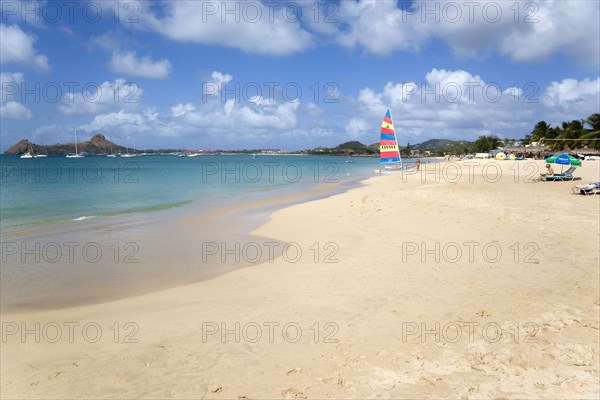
column 397, row 143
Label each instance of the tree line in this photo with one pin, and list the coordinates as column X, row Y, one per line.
column 569, row 134
column 573, row 134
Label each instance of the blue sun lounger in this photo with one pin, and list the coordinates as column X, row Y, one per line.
column 565, row 176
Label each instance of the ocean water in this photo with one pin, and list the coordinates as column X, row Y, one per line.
column 47, row 191
column 82, row 231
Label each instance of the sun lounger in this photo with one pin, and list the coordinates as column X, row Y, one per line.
column 565, row 176
column 591, row 188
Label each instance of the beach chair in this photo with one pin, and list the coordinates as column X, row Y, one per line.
column 589, row 189
column 564, row 176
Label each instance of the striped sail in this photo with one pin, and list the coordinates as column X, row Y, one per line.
column 388, row 146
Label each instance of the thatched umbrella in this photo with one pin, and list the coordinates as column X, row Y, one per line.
column 586, row 151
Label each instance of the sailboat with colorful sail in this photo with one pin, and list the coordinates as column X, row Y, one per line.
column 389, row 152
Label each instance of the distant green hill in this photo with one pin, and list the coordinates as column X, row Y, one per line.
column 438, row 144
column 96, row 145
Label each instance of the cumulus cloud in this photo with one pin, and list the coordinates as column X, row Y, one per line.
column 9, row 108
column 128, row 63
column 460, row 105
column 523, row 30
column 182, row 109
column 14, row 110
column 18, row 47
column 571, row 98
column 572, row 90
column 104, row 121
column 221, row 78
column 357, row 127
column 101, row 98
column 253, row 27
column 9, row 82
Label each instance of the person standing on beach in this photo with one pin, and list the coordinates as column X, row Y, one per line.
column 418, row 162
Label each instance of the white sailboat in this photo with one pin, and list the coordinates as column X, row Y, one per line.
column 45, row 149
column 128, row 154
column 77, row 154
column 29, row 153
column 111, row 154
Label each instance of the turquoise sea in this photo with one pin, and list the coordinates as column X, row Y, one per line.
column 81, row 231
column 45, row 191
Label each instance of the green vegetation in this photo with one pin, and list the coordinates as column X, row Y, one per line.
column 352, row 148
column 571, row 135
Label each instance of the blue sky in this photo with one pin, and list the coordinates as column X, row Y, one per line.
column 190, row 74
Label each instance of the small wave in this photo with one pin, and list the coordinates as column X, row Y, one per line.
column 84, row 217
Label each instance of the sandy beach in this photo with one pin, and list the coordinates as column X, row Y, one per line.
column 463, row 280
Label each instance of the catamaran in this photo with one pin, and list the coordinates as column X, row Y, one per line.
column 389, row 152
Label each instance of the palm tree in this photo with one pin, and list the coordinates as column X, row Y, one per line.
column 593, row 135
column 593, row 121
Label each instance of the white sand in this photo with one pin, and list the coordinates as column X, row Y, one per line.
column 543, row 299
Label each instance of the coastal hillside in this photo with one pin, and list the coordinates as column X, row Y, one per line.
column 98, row 144
column 439, row 144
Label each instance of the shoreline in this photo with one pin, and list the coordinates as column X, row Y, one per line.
column 364, row 319
column 44, row 283
column 231, row 223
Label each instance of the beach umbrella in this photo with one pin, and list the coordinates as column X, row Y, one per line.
column 563, row 159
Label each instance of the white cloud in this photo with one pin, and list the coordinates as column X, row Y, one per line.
column 14, row 110
column 570, row 27
column 357, row 127
column 104, row 121
column 379, row 26
column 229, row 115
column 572, row 99
column 572, row 90
column 101, row 98
column 220, row 78
column 523, row 30
column 128, row 63
column 460, row 105
column 17, row 46
column 182, row 109
column 9, row 86
column 253, row 28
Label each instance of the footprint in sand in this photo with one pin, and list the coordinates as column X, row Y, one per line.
column 293, row 393
column 54, row 375
column 294, row 371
